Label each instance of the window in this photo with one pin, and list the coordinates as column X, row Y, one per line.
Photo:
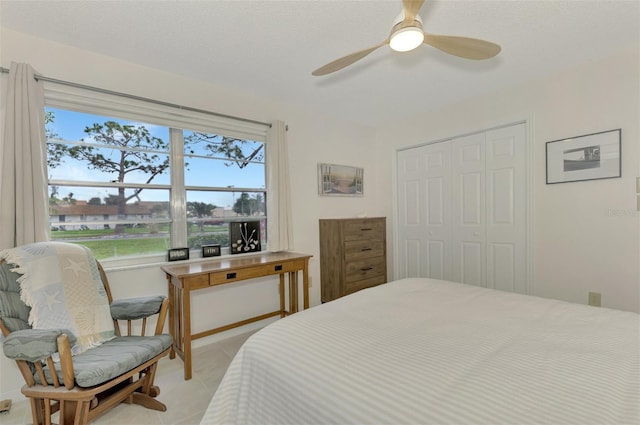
column 129, row 188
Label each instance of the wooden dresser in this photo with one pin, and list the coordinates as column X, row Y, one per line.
column 353, row 255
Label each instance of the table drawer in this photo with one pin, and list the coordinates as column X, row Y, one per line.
column 357, row 250
column 197, row 281
column 363, row 269
column 218, row 278
column 364, row 229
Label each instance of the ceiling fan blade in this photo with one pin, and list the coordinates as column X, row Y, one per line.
column 464, row 47
column 411, row 9
column 345, row 61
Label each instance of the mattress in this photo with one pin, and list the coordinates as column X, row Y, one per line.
column 425, row 351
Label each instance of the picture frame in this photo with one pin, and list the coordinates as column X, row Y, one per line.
column 210, row 250
column 340, row 180
column 244, row 237
column 592, row 156
column 177, row 254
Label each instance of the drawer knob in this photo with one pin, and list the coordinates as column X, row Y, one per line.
column 366, row 228
column 366, row 249
column 278, row 267
column 366, row 268
column 231, row 275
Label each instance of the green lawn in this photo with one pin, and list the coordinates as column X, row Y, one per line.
column 103, row 246
column 124, row 247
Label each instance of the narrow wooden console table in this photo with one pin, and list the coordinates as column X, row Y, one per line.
column 184, row 278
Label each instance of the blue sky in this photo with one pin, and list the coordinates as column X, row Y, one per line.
column 70, row 125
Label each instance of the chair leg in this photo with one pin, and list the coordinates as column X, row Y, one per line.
column 74, row 412
column 82, row 412
column 37, row 412
column 68, row 412
column 150, row 377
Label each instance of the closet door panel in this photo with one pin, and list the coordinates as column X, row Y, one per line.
column 411, row 222
column 506, row 208
column 424, row 211
column 468, row 209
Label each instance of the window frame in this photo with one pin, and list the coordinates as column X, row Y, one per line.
column 178, row 120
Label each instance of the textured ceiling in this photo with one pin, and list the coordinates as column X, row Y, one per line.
column 269, row 48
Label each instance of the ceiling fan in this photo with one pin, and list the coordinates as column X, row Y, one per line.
column 407, row 34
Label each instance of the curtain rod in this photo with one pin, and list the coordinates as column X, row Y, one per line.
column 131, row 96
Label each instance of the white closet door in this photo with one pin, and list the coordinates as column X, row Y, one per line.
column 424, row 223
column 506, row 208
column 468, row 209
column 462, row 210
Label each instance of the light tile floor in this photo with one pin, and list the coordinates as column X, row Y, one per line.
column 186, row 401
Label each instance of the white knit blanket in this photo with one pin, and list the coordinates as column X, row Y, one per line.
column 62, row 285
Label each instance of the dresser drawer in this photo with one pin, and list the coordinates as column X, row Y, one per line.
column 357, row 285
column 357, row 250
column 362, row 269
column 355, row 230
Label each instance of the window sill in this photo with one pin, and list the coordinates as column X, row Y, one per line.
column 155, row 261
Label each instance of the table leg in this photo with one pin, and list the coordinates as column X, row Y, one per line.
column 172, row 318
column 186, row 323
column 305, row 286
column 281, row 288
column 293, row 292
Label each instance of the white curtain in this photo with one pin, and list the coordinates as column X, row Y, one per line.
column 278, row 193
column 24, row 216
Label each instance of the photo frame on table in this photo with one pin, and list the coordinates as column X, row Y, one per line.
column 340, row 180
column 589, row 157
column 244, row 237
column 178, row 254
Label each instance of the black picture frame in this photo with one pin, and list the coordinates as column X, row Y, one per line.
column 210, row 250
column 594, row 156
column 178, row 254
column 244, row 237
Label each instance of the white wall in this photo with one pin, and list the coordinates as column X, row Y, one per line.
column 312, row 138
column 586, row 234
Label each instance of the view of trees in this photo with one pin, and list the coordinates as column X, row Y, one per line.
column 227, row 147
column 128, row 150
column 246, row 205
column 127, row 160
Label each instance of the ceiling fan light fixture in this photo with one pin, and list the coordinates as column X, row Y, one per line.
column 406, row 39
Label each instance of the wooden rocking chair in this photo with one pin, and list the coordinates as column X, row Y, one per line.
column 83, row 386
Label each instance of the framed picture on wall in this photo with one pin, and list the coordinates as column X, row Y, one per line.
column 340, row 180
column 589, row 157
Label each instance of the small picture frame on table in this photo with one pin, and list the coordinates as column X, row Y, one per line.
column 177, row 254
column 210, row 251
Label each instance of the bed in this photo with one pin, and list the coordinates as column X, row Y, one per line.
column 425, row 351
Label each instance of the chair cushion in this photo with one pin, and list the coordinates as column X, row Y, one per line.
column 63, row 286
column 31, row 344
column 136, row 308
column 13, row 312
column 113, row 358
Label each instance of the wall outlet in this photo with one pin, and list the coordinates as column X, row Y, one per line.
column 595, row 299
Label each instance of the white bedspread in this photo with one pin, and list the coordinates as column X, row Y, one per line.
column 423, row 351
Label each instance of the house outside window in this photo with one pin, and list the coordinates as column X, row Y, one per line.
column 130, row 190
